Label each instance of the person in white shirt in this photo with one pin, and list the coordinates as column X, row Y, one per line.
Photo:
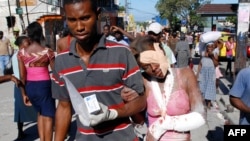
column 119, row 38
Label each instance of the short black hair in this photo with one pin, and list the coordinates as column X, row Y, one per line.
column 142, row 43
column 35, row 32
column 20, row 39
column 106, row 25
column 93, row 3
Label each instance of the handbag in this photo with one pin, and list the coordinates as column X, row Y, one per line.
column 8, row 69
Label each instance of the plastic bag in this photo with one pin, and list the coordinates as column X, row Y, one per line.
column 210, row 36
column 77, row 102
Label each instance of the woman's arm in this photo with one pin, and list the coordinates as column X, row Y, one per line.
column 23, row 74
column 198, row 69
column 186, row 122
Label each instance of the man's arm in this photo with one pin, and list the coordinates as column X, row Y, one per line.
column 237, row 103
column 133, row 107
column 62, row 120
column 116, row 28
column 128, row 109
column 10, row 48
column 9, row 77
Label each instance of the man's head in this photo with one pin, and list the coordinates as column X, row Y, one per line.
column 1, row 34
column 118, row 35
column 155, row 30
column 81, row 17
column 106, row 30
column 16, row 32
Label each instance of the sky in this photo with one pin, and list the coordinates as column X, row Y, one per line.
column 144, row 10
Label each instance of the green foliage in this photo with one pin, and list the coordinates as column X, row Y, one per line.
column 180, row 9
column 121, row 8
column 143, row 24
column 231, row 19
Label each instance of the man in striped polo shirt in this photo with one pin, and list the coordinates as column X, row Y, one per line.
column 97, row 66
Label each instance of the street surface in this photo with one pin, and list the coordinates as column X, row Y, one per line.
column 211, row 131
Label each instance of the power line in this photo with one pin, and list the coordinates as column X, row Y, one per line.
column 144, row 12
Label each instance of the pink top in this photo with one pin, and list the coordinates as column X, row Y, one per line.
column 230, row 47
column 37, row 73
column 178, row 104
column 32, row 60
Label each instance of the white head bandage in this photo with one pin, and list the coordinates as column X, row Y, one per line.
column 155, row 56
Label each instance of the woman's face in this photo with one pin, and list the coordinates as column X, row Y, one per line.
column 231, row 40
column 210, row 48
column 152, row 69
column 25, row 43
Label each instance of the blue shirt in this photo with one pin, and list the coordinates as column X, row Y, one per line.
column 241, row 89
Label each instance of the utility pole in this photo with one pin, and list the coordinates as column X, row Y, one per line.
column 126, row 10
column 20, row 15
column 27, row 12
column 11, row 22
column 242, row 35
column 126, row 14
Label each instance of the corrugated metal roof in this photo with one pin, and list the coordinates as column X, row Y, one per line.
column 218, row 9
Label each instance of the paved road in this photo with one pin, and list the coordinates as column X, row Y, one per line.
column 212, row 131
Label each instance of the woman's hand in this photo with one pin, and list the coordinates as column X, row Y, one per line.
column 150, row 137
column 26, row 101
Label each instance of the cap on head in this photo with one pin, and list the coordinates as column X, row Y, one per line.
column 155, row 28
column 16, row 29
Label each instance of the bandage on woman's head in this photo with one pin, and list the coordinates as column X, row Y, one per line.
column 148, row 52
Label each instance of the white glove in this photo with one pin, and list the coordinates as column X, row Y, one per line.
column 83, row 120
column 105, row 114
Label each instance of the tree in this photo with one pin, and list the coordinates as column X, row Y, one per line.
column 232, row 19
column 121, row 8
column 182, row 9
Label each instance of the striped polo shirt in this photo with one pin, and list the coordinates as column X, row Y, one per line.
column 111, row 66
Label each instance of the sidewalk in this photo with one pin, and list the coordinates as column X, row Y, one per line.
column 230, row 113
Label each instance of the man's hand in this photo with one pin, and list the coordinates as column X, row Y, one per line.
column 128, row 94
column 104, row 115
column 115, row 28
column 15, row 80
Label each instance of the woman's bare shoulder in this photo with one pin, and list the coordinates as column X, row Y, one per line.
column 185, row 72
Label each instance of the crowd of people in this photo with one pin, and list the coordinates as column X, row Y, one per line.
column 123, row 80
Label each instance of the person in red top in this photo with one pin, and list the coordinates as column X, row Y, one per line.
column 63, row 43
